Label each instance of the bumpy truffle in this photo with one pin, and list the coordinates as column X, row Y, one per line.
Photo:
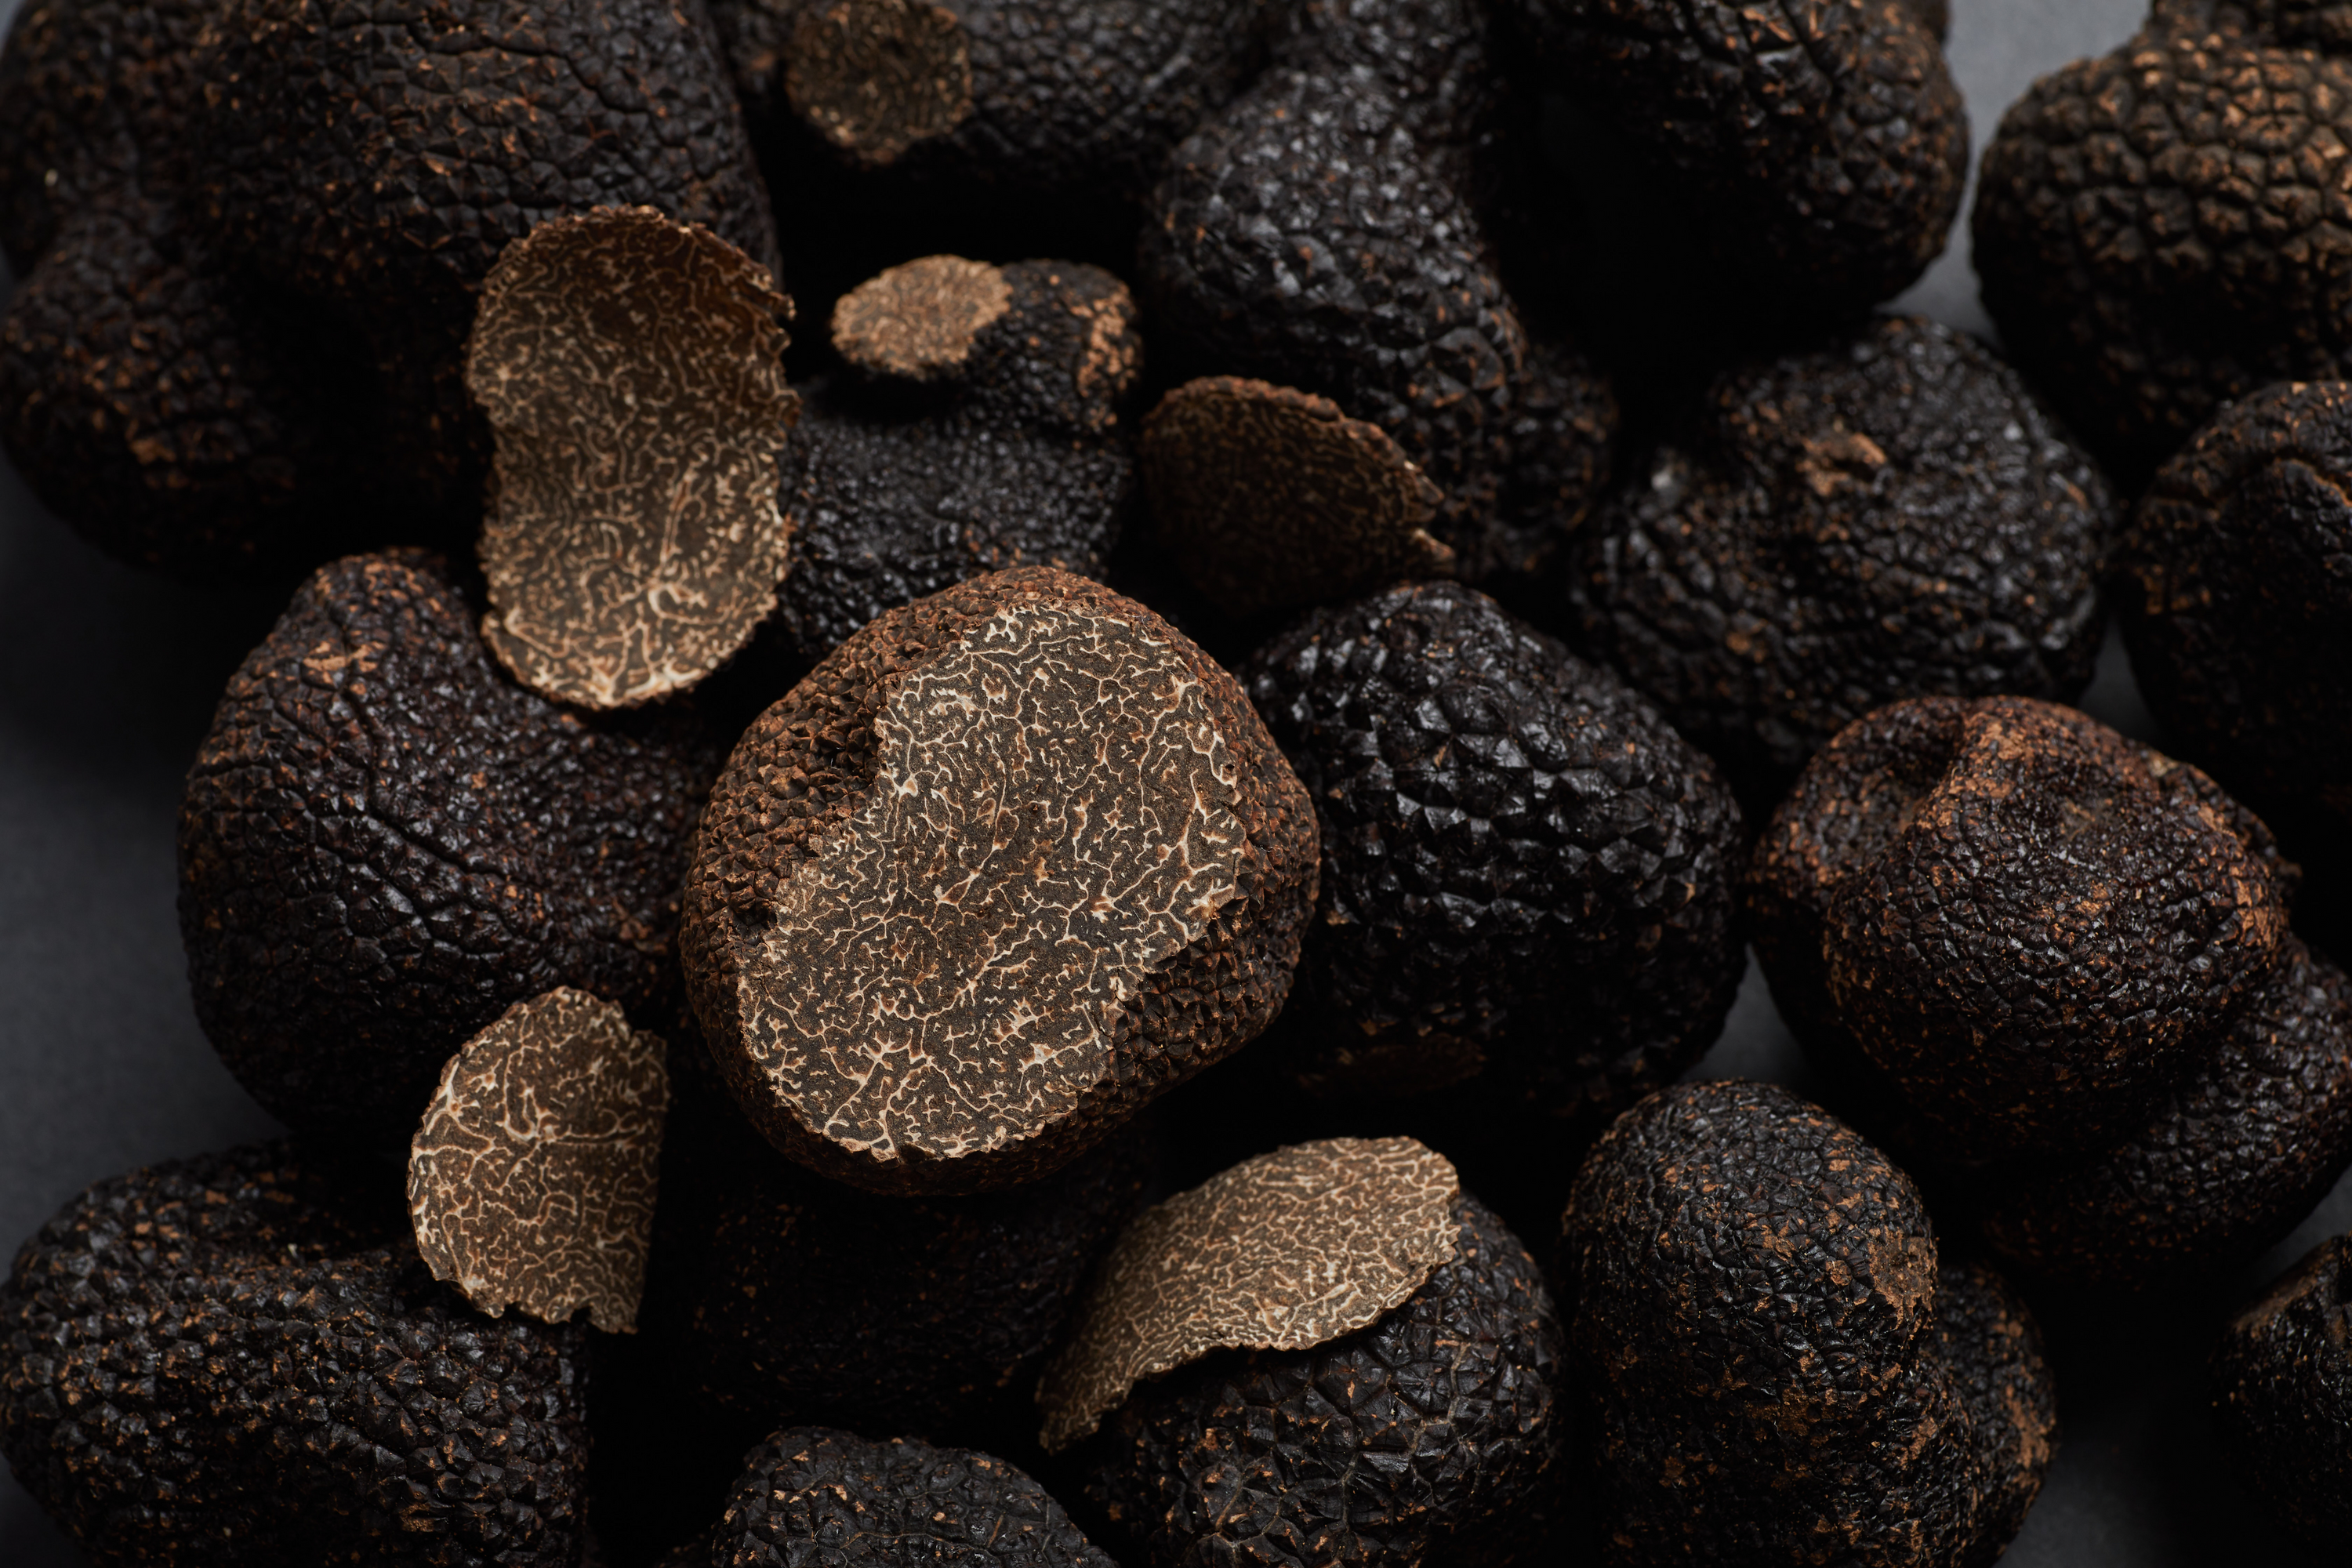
column 232, row 1360
column 384, row 844
column 2283, row 1397
column 250, row 235
column 1779, row 1369
column 977, row 429
column 1424, row 1436
column 1012, row 860
column 1527, row 875
column 1894, row 515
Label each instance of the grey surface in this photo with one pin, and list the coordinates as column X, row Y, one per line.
column 108, row 680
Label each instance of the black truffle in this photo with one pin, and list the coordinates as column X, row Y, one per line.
column 250, row 237
column 1777, row 1368
column 2283, row 1397
column 384, row 844
column 1891, row 515
column 231, row 1361
column 1526, row 875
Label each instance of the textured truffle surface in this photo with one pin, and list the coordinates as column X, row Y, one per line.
column 2283, row 1397
column 1044, row 858
column 1891, row 515
column 231, row 1361
column 384, row 844
column 1419, row 1440
column 1526, row 872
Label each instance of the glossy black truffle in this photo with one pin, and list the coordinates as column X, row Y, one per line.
column 231, row 1361
column 249, row 239
column 1426, row 1438
column 385, row 843
column 2283, row 1397
column 1891, row 515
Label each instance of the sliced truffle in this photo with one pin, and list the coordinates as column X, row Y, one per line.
column 2034, row 927
column 2283, row 1397
column 977, row 429
column 1526, row 875
column 250, row 237
column 1892, row 515
column 235, row 1359
column 531, row 1179
column 1779, row 1370
column 630, row 368
column 1390, row 1393
column 384, row 844
column 1011, row 861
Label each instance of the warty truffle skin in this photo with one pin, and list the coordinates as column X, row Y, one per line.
column 1893, row 514
column 249, row 235
column 1528, row 877
column 1423, row 1438
column 385, row 843
column 2282, row 1383
column 229, row 1361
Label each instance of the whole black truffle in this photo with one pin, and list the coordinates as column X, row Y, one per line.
column 385, row 843
column 250, row 235
column 1778, row 1367
column 2283, row 1397
column 231, row 1361
column 1891, row 515
column 1526, row 875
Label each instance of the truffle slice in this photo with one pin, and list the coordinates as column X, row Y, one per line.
column 1427, row 1435
column 2283, row 1397
column 632, row 369
column 531, row 1179
column 385, row 843
column 875, row 77
column 1011, row 861
column 1269, row 498
column 305, row 1391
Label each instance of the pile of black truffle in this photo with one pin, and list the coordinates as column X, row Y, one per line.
column 1018, row 750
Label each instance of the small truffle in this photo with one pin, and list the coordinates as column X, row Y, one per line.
column 1528, row 877
column 385, row 843
column 1425, row 1435
column 1779, row 1370
column 2282, row 1398
column 1011, row 861
column 1892, row 515
column 531, row 1179
column 631, row 367
column 304, row 1392
column 1271, row 499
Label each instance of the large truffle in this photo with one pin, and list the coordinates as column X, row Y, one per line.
column 1011, row 861
column 232, row 1361
column 385, row 843
column 249, row 237
column 1526, row 875
column 2283, row 1397
column 1891, row 515
column 1778, row 1367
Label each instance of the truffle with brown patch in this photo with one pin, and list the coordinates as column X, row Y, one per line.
column 2281, row 1393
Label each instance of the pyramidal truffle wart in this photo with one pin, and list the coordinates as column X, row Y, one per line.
column 1012, row 860
column 2282, row 1383
column 305, row 1392
column 385, row 843
column 1779, row 1368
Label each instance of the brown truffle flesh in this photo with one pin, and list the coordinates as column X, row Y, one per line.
column 630, row 368
column 385, row 843
column 306, row 1394
column 2283, row 1397
column 929, row 952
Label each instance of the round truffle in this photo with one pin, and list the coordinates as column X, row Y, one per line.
column 1892, row 515
column 1526, row 875
column 2283, row 1397
column 1011, row 861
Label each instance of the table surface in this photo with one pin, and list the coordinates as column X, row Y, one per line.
column 108, row 680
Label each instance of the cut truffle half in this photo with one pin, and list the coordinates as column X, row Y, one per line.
column 2283, row 1397
column 1268, row 497
column 531, row 1179
column 876, row 77
column 632, row 369
column 921, row 320
column 1011, row 861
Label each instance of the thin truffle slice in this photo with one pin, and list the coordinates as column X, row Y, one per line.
column 632, row 369
column 531, row 1179
column 1281, row 1252
column 1010, row 862
column 1270, row 497
column 2283, row 1397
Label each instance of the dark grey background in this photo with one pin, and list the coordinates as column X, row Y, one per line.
column 107, row 683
